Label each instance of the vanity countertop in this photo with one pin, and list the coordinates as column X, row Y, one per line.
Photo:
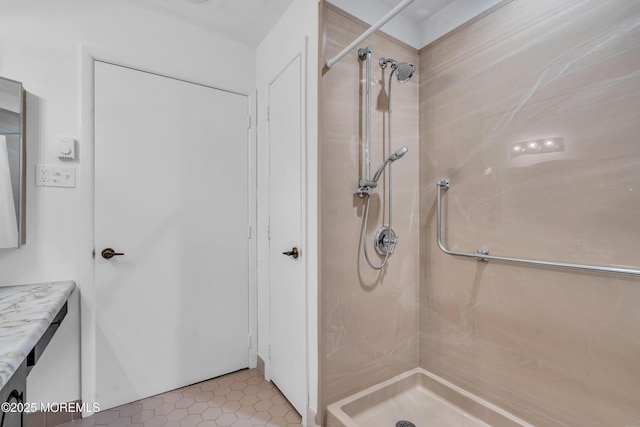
column 26, row 311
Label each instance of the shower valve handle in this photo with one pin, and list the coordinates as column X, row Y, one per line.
column 295, row 253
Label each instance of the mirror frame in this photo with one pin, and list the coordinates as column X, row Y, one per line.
column 20, row 203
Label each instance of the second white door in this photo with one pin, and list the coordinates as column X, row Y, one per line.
column 287, row 273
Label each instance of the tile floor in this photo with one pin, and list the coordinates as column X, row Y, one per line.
column 239, row 399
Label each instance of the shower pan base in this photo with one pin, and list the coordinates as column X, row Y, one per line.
column 422, row 398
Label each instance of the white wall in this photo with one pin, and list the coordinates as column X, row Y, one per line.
column 278, row 49
column 40, row 45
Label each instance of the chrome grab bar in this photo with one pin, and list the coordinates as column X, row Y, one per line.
column 483, row 254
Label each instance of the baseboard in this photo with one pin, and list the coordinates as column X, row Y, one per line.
column 312, row 418
column 261, row 365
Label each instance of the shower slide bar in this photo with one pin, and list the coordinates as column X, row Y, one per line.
column 393, row 12
column 483, row 254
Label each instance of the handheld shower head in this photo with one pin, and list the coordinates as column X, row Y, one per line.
column 392, row 158
column 401, row 152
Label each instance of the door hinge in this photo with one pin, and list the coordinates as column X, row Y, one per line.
column 268, row 232
column 248, row 232
column 250, row 342
column 249, row 121
column 93, row 254
column 268, row 114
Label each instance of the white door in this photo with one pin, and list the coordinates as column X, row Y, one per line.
column 287, row 285
column 171, row 194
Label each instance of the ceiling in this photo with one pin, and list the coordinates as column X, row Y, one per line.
column 249, row 21
column 419, row 10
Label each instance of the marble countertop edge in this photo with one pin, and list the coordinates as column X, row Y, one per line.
column 26, row 311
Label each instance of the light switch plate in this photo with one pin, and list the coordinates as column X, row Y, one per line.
column 55, row 176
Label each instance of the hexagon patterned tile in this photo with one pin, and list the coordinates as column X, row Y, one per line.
column 239, row 399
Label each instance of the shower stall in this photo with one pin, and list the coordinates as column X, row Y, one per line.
column 531, row 112
column 367, row 314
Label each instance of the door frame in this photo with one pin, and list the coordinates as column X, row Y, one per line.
column 86, row 205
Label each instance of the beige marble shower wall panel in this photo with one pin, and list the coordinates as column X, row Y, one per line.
column 556, row 348
column 369, row 320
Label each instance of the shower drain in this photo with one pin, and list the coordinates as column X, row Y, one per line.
column 404, row 423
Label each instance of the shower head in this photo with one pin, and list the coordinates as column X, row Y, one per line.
column 395, row 156
column 392, row 158
column 403, row 70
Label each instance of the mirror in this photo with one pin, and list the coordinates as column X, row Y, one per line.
column 12, row 161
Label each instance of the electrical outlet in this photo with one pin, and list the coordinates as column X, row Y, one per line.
column 42, row 175
column 55, row 176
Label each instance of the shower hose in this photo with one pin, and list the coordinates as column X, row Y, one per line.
column 364, row 240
